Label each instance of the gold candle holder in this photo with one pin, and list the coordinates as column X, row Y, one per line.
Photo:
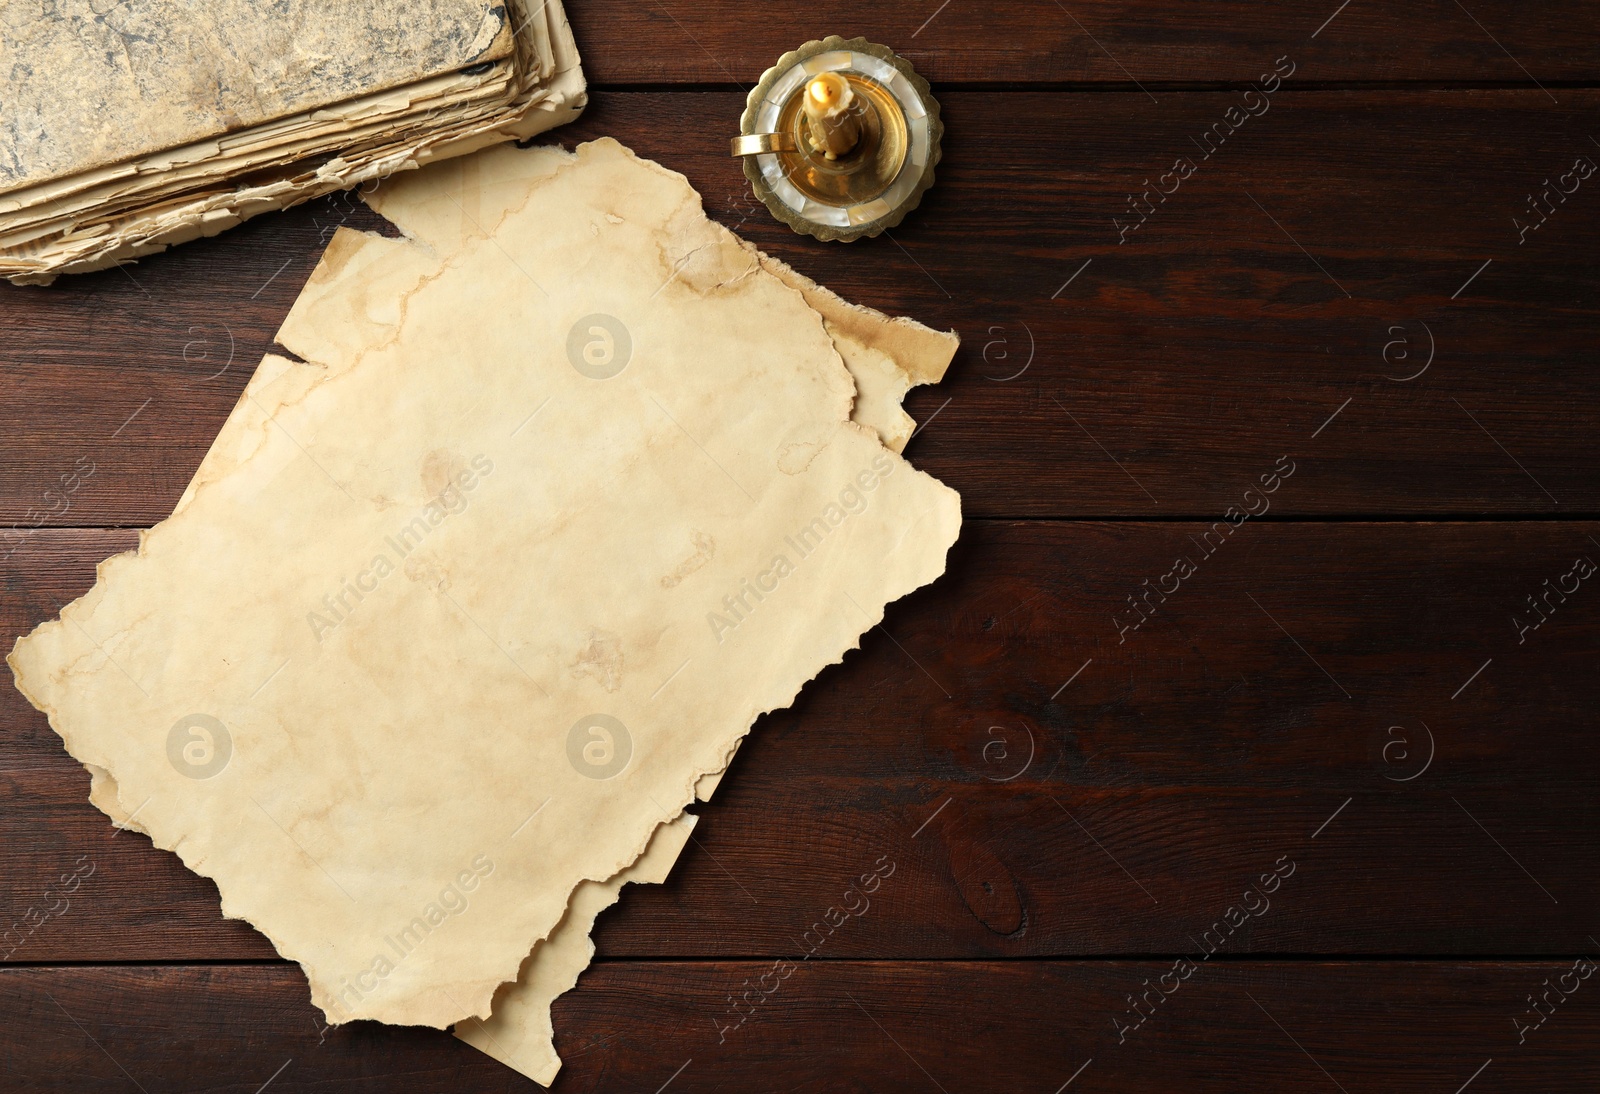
column 840, row 138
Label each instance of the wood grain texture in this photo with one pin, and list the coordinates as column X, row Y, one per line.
column 1102, row 41
column 838, row 1026
column 1070, row 803
column 1168, row 375
column 1173, row 761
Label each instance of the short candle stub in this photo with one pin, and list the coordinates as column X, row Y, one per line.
column 831, row 114
column 840, row 138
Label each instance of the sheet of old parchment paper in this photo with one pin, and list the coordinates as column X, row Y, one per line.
column 161, row 75
column 458, row 616
column 448, row 206
column 884, row 355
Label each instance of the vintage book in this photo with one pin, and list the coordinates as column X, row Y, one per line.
column 127, row 131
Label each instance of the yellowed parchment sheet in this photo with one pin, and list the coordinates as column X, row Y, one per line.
column 460, row 608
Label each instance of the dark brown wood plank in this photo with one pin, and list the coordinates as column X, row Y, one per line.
column 1172, row 763
column 1333, row 738
column 842, row 1026
column 1172, row 372
column 1104, row 42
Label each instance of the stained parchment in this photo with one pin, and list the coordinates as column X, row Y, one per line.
column 519, row 1033
column 463, row 605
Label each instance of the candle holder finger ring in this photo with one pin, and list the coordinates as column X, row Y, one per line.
column 840, row 138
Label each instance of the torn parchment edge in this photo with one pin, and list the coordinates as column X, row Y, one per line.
column 868, row 330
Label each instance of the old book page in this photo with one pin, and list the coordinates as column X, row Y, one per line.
column 462, row 607
column 94, row 83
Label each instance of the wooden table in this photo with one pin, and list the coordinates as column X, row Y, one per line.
column 1314, row 810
